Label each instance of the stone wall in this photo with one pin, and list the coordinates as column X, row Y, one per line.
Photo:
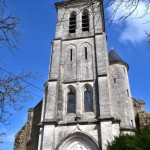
column 27, row 137
column 20, row 139
column 142, row 117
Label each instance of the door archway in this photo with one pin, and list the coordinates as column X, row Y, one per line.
column 78, row 141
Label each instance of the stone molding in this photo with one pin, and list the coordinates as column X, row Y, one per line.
column 82, row 139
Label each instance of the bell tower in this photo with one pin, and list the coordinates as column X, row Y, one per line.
column 76, row 111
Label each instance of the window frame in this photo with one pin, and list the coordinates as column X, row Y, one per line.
column 92, row 102
column 71, row 89
column 72, row 22
column 85, row 21
column 86, row 53
column 71, row 54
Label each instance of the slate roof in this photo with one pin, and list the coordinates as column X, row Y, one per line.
column 114, row 58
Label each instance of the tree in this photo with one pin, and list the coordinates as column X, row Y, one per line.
column 148, row 37
column 139, row 141
column 120, row 10
column 9, row 33
column 13, row 91
column 128, row 8
column 13, row 88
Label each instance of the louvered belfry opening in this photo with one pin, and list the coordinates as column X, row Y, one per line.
column 85, row 21
column 72, row 23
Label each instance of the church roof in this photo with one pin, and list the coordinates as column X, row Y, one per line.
column 114, row 58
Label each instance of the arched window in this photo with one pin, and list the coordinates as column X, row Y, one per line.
column 85, row 21
column 71, row 100
column 72, row 23
column 88, row 99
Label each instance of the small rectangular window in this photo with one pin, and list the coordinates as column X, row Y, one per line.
column 86, row 53
column 124, row 70
column 70, row 54
column 114, row 80
column 128, row 93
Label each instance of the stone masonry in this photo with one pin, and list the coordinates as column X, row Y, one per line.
column 87, row 98
column 80, row 62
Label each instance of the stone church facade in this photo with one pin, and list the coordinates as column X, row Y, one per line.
column 87, row 96
column 28, row 136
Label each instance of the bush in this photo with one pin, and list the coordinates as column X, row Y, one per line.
column 139, row 141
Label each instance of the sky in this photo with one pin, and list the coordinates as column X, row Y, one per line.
column 38, row 18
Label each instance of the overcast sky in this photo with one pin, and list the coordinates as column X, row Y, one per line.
column 37, row 31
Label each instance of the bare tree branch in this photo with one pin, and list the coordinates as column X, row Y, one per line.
column 127, row 8
column 8, row 31
column 9, row 34
column 13, row 88
column 13, row 91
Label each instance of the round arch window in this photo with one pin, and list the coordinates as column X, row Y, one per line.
column 88, row 99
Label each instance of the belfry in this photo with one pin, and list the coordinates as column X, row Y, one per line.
column 87, row 97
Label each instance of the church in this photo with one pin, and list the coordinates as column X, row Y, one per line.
column 87, row 99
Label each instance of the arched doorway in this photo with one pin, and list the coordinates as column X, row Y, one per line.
column 78, row 141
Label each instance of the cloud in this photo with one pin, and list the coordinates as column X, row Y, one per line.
column 8, row 142
column 135, row 26
column 8, row 137
column 11, row 137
